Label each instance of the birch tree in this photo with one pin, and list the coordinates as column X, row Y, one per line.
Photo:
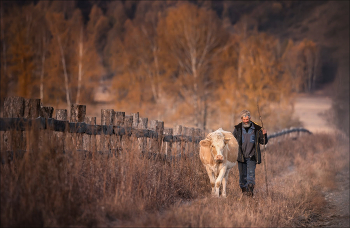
column 59, row 30
column 193, row 37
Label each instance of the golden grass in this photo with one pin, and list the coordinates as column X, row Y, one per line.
column 49, row 188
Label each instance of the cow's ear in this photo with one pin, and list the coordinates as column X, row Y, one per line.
column 227, row 134
column 205, row 142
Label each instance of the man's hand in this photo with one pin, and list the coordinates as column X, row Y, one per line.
column 264, row 131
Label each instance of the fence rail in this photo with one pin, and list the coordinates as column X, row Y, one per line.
column 288, row 131
column 23, row 124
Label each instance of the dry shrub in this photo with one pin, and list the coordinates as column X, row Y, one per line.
column 50, row 188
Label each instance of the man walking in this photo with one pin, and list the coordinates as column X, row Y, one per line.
column 248, row 135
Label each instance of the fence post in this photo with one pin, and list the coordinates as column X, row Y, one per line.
column 168, row 145
column 128, row 130
column 93, row 140
column 107, row 116
column 31, row 111
column 184, row 142
column 46, row 112
column 197, row 135
column 118, row 122
column 142, row 141
column 87, row 139
column 32, row 108
column 177, row 147
column 152, row 142
column 135, row 120
column 191, row 145
column 61, row 114
column 135, row 123
column 160, row 132
column 11, row 140
column 77, row 115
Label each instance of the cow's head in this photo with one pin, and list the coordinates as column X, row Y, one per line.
column 216, row 141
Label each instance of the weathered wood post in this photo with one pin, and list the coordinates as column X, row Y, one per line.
column 191, row 143
column 142, row 141
column 61, row 114
column 32, row 108
column 197, row 135
column 160, row 132
column 135, row 123
column 168, row 132
column 77, row 115
column 184, row 142
column 177, row 144
column 135, row 120
column 118, row 122
column 11, row 140
column 46, row 112
column 152, row 142
column 128, row 131
column 89, row 141
column 107, row 116
column 34, row 135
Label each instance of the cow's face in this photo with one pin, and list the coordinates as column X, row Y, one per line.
column 217, row 147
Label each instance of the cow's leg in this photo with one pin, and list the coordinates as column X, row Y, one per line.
column 219, row 180
column 223, row 194
column 212, row 179
column 224, row 183
column 229, row 165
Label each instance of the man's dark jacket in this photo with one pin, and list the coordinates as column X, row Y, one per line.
column 259, row 139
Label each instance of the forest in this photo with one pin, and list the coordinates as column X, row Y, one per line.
column 174, row 60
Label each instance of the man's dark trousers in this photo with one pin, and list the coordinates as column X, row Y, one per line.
column 246, row 172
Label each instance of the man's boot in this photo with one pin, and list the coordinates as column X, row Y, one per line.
column 244, row 190
column 250, row 190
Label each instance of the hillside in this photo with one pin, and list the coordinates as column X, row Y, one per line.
column 325, row 22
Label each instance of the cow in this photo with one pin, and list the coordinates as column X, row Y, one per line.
column 218, row 156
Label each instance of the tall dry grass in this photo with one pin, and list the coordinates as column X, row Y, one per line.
column 49, row 188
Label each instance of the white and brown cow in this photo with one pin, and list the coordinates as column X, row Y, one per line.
column 218, row 155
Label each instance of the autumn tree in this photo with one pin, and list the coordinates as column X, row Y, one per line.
column 58, row 56
column 4, row 73
column 193, row 37
column 85, row 63
column 301, row 61
column 113, row 51
column 137, row 56
column 254, row 75
column 21, row 54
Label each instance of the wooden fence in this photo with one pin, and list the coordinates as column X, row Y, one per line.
column 22, row 115
column 24, row 118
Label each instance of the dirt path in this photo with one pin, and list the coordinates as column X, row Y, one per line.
column 311, row 110
column 336, row 214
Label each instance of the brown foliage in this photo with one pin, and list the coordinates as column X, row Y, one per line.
column 174, row 61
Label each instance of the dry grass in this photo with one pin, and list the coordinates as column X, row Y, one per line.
column 49, row 188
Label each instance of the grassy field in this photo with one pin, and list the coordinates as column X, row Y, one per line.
column 49, row 188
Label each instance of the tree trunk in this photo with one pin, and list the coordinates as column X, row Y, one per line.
column 3, row 42
column 42, row 70
column 65, row 73
column 195, row 89
column 80, row 64
column 205, row 114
